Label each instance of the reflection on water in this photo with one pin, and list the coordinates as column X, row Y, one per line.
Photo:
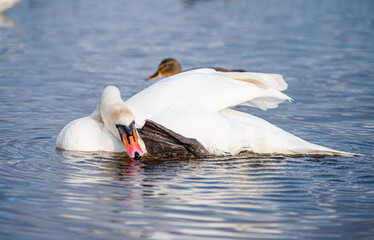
column 56, row 60
column 220, row 197
column 227, row 197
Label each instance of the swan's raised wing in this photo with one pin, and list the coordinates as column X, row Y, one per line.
column 275, row 81
column 265, row 81
column 207, row 90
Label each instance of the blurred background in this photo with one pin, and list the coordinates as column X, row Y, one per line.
column 57, row 56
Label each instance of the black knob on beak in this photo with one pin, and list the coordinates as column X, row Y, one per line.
column 137, row 156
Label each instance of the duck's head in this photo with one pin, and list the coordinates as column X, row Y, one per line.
column 120, row 121
column 167, row 68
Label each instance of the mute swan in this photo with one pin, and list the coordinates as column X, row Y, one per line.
column 170, row 66
column 110, row 127
column 195, row 105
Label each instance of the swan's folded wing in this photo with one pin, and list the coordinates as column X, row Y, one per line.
column 275, row 81
column 263, row 81
column 259, row 90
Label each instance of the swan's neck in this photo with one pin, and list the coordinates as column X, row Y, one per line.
column 96, row 115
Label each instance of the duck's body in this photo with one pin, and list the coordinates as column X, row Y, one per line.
column 169, row 67
column 196, row 104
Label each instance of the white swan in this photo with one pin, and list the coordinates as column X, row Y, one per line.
column 109, row 128
column 196, row 104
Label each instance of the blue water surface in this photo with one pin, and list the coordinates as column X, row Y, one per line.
column 57, row 56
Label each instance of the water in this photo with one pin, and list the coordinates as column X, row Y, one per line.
column 57, row 56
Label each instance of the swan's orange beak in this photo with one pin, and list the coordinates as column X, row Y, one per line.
column 129, row 137
column 132, row 145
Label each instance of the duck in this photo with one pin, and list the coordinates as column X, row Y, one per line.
column 169, row 67
column 195, row 106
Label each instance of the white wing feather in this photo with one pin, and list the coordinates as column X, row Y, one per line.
column 209, row 91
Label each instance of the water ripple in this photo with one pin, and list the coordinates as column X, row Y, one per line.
column 58, row 57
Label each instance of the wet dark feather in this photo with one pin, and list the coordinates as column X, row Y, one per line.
column 161, row 141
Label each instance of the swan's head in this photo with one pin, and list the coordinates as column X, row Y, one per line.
column 120, row 121
column 167, row 68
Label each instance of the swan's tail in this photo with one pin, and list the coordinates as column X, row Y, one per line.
column 262, row 137
column 330, row 152
column 318, row 150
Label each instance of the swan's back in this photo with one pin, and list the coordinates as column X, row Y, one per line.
column 209, row 91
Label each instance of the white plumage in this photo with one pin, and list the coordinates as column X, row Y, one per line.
column 197, row 104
